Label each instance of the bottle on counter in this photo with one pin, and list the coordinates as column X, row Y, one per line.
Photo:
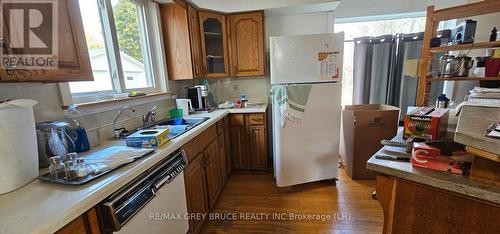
column 56, row 168
column 244, row 101
column 70, row 170
column 71, row 157
column 82, row 169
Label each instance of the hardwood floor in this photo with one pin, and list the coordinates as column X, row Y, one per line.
column 253, row 196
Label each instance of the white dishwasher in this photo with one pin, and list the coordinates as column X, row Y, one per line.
column 155, row 202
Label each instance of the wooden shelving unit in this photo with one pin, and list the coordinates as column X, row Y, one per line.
column 480, row 45
column 432, row 79
column 431, row 25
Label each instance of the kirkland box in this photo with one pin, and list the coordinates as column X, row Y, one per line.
column 364, row 126
column 149, row 138
column 426, row 122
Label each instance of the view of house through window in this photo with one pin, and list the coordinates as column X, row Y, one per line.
column 373, row 29
column 116, row 66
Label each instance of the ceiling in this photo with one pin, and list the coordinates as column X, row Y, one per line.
column 272, row 7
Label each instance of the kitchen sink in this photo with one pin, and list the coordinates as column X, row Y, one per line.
column 186, row 125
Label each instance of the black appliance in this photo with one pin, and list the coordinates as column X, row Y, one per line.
column 194, row 94
column 465, row 32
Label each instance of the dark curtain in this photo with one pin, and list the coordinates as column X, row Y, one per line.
column 379, row 75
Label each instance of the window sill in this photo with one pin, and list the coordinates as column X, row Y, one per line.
column 88, row 108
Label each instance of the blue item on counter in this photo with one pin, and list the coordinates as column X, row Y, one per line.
column 178, row 121
column 82, row 141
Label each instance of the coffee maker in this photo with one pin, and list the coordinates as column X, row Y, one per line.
column 198, row 95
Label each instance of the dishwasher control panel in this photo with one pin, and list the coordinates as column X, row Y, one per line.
column 122, row 205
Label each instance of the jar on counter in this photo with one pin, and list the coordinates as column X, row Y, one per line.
column 56, row 168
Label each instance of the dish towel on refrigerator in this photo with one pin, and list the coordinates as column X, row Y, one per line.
column 292, row 101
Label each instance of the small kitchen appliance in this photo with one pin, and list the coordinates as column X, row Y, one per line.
column 18, row 149
column 465, row 32
column 53, row 140
column 198, row 95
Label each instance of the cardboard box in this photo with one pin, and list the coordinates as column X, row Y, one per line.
column 426, row 122
column 148, row 138
column 364, row 126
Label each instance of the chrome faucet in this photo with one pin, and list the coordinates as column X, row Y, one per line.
column 119, row 132
column 149, row 119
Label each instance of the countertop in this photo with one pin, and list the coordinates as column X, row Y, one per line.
column 41, row 207
column 472, row 125
column 441, row 180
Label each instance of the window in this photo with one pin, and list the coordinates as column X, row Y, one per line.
column 120, row 48
column 370, row 28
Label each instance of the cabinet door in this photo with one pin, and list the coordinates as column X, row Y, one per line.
column 214, row 44
column 212, row 169
column 239, row 147
column 73, row 57
column 86, row 223
column 227, row 140
column 258, row 147
column 222, row 157
column 176, row 37
column 246, row 39
column 194, row 34
column 196, row 192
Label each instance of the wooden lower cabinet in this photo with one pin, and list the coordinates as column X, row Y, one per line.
column 221, row 138
column 248, row 134
column 196, row 191
column 204, row 175
column 213, row 172
column 257, row 147
column 227, row 145
column 239, row 147
column 86, row 223
column 415, row 208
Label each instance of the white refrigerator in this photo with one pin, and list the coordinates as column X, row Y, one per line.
column 308, row 150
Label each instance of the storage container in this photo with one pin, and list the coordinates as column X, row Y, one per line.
column 18, row 145
column 364, row 126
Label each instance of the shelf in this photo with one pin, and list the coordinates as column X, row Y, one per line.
column 215, row 56
column 213, row 33
column 430, row 79
column 479, row 45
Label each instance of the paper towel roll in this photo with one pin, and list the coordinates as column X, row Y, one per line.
column 18, row 145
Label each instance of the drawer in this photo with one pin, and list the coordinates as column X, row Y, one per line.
column 192, row 149
column 237, row 119
column 256, row 119
column 199, row 143
column 207, row 136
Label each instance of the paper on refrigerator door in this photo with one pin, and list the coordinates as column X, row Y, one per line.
column 328, row 65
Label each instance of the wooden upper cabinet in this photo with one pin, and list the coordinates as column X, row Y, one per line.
column 194, row 34
column 176, row 37
column 73, row 56
column 246, row 39
column 214, row 44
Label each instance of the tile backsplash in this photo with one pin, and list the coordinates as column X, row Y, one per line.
column 256, row 88
column 98, row 125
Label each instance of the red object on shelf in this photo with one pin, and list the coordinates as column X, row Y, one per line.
column 492, row 67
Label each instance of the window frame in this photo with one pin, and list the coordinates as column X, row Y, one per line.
column 154, row 60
